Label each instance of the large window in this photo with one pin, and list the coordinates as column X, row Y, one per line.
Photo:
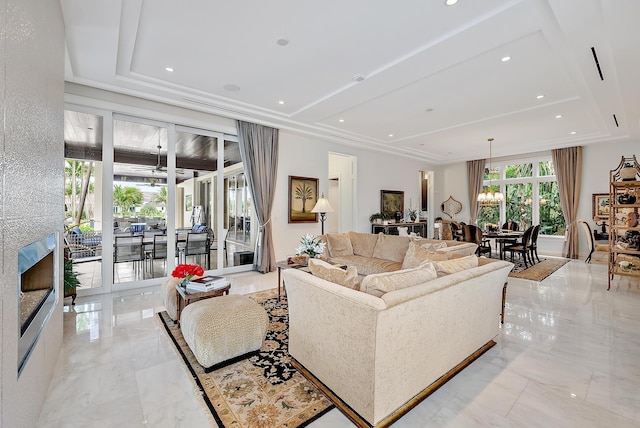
column 531, row 196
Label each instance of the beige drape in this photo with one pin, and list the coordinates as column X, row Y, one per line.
column 568, row 166
column 259, row 152
column 475, row 177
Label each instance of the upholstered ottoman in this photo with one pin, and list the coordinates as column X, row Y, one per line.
column 223, row 328
column 168, row 294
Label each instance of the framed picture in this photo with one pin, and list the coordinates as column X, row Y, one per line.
column 391, row 201
column 303, row 195
column 188, row 202
column 600, row 206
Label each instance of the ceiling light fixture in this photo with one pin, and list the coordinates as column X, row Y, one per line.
column 505, row 58
column 390, row 135
column 450, row 2
column 558, row 116
column 169, row 69
column 281, row 102
column 282, row 42
column 340, row 120
column 487, row 197
column 573, row 132
column 540, row 97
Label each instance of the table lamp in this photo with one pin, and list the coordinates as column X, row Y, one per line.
column 323, row 207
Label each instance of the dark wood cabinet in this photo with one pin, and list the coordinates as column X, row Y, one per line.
column 419, row 228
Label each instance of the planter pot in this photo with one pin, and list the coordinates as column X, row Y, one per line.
column 628, row 173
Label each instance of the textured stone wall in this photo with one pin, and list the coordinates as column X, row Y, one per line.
column 31, row 186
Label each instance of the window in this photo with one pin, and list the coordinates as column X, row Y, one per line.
column 531, row 196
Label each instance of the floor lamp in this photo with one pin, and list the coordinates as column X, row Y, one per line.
column 322, row 207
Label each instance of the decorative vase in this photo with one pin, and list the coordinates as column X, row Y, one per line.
column 626, row 199
column 632, row 219
column 628, row 173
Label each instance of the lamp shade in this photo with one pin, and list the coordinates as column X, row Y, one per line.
column 322, row 206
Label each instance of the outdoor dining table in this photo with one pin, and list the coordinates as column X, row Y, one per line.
column 501, row 236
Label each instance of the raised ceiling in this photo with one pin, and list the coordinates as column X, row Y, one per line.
column 411, row 77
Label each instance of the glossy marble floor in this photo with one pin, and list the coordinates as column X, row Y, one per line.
column 568, row 356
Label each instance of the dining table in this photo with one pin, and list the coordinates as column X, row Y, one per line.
column 501, row 237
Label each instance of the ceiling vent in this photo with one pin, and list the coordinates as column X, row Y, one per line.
column 595, row 59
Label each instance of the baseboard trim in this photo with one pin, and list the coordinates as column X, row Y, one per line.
column 405, row 408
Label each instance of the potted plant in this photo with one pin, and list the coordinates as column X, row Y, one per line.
column 71, row 281
column 376, row 218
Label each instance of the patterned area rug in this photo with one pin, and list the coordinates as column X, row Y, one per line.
column 538, row 271
column 261, row 391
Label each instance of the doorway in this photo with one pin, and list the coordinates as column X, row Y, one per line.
column 342, row 192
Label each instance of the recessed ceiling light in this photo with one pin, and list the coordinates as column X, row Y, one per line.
column 450, row 2
column 573, row 132
column 341, row 120
column 505, row 58
column 429, row 110
column 231, row 87
column 282, row 42
column 281, row 102
column 169, row 69
column 390, row 135
column 540, row 97
column 558, row 116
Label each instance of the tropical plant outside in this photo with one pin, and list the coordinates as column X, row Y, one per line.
column 126, row 198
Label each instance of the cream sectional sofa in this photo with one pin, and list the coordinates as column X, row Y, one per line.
column 378, row 353
column 371, row 254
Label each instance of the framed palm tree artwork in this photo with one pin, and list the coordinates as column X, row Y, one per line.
column 303, row 195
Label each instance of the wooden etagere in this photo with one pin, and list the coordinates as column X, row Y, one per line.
column 623, row 181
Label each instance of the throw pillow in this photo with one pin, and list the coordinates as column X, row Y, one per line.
column 416, row 255
column 447, row 267
column 435, row 246
column 328, row 272
column 381, row 283
column 339, row 244
column 363, row 243
column 390, row 247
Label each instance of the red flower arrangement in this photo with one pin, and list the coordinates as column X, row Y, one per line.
column 187, row 271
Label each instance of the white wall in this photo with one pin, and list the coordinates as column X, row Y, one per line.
column 308, row 157
column 31, row 172
column 597, row 161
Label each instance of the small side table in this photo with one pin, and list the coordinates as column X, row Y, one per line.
column 283, row 264
column 184, row 296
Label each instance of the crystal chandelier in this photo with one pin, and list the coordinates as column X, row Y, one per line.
column 487, row 197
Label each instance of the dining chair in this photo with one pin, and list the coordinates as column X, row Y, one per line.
column 591, row 242
column 521, row 247
column 533, row 245
column 128, row 249
column 215, row 242
column 473, row 234
column 197, row 245
column 159, row 249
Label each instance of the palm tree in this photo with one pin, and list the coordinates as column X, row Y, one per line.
column 160, row 197
column 126, row 198
column 304, row 192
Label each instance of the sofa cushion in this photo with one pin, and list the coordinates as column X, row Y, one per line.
column 417, row 254
column 382, row 283
column 326, row 271
column 368, row 265
column 363, row 243
column 339, row 244
column 391, row 247
column 447, row 267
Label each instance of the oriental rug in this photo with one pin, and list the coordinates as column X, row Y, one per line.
column 264, row 390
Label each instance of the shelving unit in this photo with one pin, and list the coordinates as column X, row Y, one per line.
column 619, row 214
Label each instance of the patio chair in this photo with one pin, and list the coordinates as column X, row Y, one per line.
column 128, row 249
column 197, row 245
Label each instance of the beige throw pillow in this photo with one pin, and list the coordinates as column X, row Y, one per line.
column 339, row 244
column 363, row 243
column 417, row 255
column 328, row 272
column 434, row 246
column 381, row 283
column 390, row 247
column 447, row 267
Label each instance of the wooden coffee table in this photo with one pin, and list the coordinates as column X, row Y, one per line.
column 184, row 297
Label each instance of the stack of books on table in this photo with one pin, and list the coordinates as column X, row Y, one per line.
column 207, row 283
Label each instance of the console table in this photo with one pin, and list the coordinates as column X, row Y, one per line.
column 419, row 228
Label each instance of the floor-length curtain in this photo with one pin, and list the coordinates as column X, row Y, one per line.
column 259, row 152
column 568, row 166
column 475, row 178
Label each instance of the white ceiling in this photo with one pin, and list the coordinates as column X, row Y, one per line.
column 433, row 75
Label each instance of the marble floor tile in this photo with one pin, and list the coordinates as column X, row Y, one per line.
column 568, row 355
